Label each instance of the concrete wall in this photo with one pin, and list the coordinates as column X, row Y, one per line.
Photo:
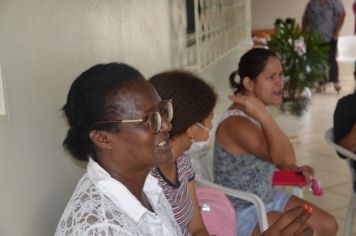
column 265, row 12
column 44, row 45
column 218, row 76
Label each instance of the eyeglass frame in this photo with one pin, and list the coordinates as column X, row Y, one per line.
column 144, row 119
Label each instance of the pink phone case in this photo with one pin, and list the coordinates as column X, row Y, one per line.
column 288, row 177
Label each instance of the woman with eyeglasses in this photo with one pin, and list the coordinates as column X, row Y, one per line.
column 120, row 125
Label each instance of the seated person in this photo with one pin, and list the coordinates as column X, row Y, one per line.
column 249, row 145
column 121, row 126
column 345, row 123
column 193, row 103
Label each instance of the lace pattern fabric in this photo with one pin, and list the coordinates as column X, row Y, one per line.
column 90, row 212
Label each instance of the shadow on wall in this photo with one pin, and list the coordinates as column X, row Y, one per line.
column 54, row 196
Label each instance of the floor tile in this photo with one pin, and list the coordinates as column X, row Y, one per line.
column 306, row 134
column 329, row 200
column 340, row 212
column 343, row 189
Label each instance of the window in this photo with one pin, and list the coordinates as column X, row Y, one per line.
column 213, row 29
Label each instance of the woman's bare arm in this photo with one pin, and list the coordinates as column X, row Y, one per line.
column 269, row 142
column 196, row 227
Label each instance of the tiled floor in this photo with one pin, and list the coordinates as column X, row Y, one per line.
column 307, row 136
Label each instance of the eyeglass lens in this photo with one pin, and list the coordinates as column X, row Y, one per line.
column 165, row 112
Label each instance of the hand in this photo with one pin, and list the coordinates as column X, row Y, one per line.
column 307, row 171
column 291, row 222
column 251, row 105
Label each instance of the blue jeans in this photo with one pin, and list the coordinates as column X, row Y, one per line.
column 247, row 218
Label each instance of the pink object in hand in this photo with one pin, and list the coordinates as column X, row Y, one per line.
column 315, row 187
column 218, row 214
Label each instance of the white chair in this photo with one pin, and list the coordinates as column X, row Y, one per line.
column 329, row 136
column 202, row 164
column 346, row 46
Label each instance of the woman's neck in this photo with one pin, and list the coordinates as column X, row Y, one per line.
column 133, row 180
column 180, row 144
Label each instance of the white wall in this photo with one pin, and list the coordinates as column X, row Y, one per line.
column 265, row 12
column 44, row 45
column 218, row 73
column 218, row 76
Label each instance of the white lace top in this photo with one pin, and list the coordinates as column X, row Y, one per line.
column 101, row 205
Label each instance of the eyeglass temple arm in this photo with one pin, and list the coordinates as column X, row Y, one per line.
column 120, row 121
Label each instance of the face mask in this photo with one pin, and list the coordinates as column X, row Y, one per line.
column 198, row 146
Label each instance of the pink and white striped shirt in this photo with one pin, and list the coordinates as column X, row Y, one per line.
column 177, row 194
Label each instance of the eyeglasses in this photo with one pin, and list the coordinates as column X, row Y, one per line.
column 154, row 119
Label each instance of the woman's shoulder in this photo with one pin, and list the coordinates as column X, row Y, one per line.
column 88, row 202
column 346, row 104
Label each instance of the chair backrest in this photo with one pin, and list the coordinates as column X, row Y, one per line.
column 218, row 214
column 346, row 46
column 203, row 164
column 329, row 136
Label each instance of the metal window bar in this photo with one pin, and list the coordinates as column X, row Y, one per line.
column 220, row 25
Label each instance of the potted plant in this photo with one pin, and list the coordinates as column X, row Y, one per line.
column 304, row 60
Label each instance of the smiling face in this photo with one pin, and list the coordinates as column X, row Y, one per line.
column 136, row 147
column 268, row 85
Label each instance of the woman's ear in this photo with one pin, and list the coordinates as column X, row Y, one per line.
column 190, row 132
column 248, row 84
column 101, row 139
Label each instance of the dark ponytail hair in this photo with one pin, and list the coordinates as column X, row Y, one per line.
column 90, row 99
column 236, row 87
column 251, row 64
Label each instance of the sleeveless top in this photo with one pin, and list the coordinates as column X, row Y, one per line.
column 177, row 194
column 244, row 172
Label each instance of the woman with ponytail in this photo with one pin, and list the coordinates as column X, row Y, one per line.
column 249, row 145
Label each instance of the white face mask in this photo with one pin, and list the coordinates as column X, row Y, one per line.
column 197, row 146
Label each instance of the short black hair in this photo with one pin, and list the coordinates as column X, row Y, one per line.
column 193, row 99
column 251, row 64
column 90, row 99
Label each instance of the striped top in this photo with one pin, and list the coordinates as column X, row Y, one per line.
column 177, row 194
